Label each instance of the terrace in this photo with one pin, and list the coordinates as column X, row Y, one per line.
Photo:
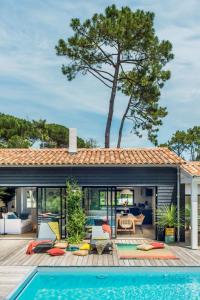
column 15, row 264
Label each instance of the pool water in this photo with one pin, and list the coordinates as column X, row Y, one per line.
column 112, row 283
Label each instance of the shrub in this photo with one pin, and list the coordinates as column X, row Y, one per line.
column 75, row 215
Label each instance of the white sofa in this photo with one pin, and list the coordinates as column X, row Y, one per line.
column 15, row 226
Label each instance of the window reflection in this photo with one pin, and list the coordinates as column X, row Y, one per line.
column 49, row 204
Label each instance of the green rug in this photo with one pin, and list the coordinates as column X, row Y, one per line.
column 129, row 251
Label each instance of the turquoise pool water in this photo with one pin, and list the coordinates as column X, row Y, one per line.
column 112, row 283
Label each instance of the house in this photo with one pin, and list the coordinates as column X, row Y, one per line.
column 143, row 178
column 190, row 179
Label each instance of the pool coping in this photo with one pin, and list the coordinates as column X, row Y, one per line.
column 27, row 279
column 21, row 285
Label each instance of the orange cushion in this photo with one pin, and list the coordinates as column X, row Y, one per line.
column 157, row 245
column 56, row 252
column 106, row 228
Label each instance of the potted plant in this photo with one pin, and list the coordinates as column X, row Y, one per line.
column 167, row 222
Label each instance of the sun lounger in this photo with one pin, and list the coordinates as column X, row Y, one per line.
column 98, row 236
column 45, row 234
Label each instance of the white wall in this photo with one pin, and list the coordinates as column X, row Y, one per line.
column 188, row 189
column 140, row 196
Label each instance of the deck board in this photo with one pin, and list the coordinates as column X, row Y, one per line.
column 13, row 260
column 10, row 277
column 12, row 253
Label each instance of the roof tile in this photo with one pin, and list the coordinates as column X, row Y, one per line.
column 192, row 167
column 96, row 156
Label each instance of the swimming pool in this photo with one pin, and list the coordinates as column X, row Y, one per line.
column 110, row 283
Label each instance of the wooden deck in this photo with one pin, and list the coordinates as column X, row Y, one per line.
column 10, row 277
column 12, row 253
column 15, row 264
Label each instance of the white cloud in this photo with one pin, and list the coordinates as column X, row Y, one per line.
column 31, row 83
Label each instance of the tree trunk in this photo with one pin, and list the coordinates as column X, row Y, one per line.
column 122, row 125
column 111, row 105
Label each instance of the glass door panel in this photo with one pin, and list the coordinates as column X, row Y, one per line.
column 99, row 205
column 50, row 206
column 63, row 214
column 111, row 215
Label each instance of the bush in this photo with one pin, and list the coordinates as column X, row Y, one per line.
column 75, row 215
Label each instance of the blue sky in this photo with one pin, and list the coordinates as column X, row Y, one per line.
column 32, row 86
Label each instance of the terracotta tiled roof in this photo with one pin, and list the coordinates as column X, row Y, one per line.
column 192, row 167
column 95, row 156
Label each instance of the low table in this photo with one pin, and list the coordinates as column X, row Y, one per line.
column 101, row 245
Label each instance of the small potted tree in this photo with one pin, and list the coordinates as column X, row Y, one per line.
column 167, row 222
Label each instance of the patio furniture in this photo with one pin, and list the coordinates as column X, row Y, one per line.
column 99, row 234
column 45, row 233
column 147, row 212
column 100, row 240
column 139, row 221
column 125, row 223
column 101, row 246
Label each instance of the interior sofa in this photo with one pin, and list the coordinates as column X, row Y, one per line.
column 14, row 225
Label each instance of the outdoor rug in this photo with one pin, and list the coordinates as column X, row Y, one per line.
column 129, row 251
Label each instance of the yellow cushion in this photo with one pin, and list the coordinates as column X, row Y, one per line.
column 85, row 246
column 145, row 247
column 80, row 252
column 55, row 228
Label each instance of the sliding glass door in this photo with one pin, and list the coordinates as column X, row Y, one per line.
column 51, row 207
column 99, row 205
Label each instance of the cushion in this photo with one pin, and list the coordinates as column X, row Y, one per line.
column 55, row 228
column 61, row 245
column 23, row 216
column 11, row 216
column 106, row 228
column 72, row 248
column 85, row 246
column 157, row 245
column 145, row 247
column 56, row 252
column 80, row 252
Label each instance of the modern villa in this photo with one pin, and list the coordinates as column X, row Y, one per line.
column 145, row 178
column 118, row 185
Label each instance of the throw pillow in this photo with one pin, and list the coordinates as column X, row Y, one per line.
column 56, row 252
column 72, row 248
column 157, row 245
column 61, row 245
column 106, row 228
column 85, row 247
column 11, row 216
column 144, row 247
column 80, row 252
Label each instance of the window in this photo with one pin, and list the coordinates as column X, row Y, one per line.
column 102, row 198
column 31, row 199
column 125, row 196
